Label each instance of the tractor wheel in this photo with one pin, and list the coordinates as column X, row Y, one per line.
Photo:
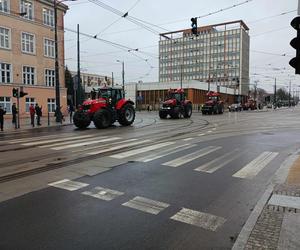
column 81, row 120
column 127, row 115
column 102, row 118
column 163, row 114
column 175, row 113
column 188, row 111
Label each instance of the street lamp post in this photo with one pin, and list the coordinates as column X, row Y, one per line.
column 123, row 76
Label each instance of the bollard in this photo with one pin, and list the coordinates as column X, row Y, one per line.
column 48, row 118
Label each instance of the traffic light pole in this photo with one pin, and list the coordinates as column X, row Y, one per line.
column 18, row 108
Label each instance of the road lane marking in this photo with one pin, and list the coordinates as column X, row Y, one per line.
column 199, row 219
column 188, row 139
column 103, row 146
column 72, row 142
column 118, row 147
column 190, row 157
column 214, row 165
column 85, row 143
column 141, row 150
column 105, row 194
column 36, row 143
column 209, row 131
column 164, row 153
column 68, row 185
column 36, row 138
column 146, row 205
column 214, row 129
column 201, row 134
column 255, row 166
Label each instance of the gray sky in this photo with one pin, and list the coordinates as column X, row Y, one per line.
column 270, row 33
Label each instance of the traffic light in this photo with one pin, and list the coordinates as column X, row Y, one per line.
column 22, row 94
column 15, row 92
column 194, row 25
column 295, row 43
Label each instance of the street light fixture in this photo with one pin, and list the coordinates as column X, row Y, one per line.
column 123, row 75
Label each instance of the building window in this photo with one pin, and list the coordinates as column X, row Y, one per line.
column 48, row 17
column 4, row 37
column 28, row 102
column 27, row 7
column 28, row 75
column 49, row 77
column 5, row 73
column 28, row 43
column 51, row 105
column 5, row 102
column 49, row 48
column 4, row 6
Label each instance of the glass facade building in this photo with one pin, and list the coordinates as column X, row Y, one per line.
column 218, row 54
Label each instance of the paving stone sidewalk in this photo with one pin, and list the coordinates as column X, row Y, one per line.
column 278, row 226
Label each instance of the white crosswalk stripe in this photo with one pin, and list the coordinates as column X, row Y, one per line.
column 190, row 157
column 163, row 153
column 68, row 185
column 146, row 205
column 73, row 141
column 85, row 143
column 35, row 138
column 36, row 143
column 141, row 150
column 117, row 147
column 188, row 139
column 199, row 219
column 105, row 194
column 214, row 165
column 255, row 166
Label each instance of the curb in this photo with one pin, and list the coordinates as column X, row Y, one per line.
column 279, row 178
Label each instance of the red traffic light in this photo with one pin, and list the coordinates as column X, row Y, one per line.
column 295, row 23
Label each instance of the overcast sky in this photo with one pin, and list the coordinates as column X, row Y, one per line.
column 270, row 33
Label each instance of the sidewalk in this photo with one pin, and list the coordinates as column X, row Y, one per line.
column 25, row 123
column 275, row 221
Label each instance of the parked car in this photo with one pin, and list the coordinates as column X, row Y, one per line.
column 235, row 107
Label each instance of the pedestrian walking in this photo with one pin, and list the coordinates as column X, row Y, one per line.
column 71, row 110
column 14, row 111
column 2, row 113
column 38, row 111
column 32, row 114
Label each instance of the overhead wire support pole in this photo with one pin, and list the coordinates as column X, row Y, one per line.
column 78, row 69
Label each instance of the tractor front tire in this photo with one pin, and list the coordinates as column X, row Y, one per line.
column 188, row 111
column 81, row 120
column 163, row 114
column 127, row 115
column 102, row 118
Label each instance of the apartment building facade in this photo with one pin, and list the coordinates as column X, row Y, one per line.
column 27, row 53
column 217, row 55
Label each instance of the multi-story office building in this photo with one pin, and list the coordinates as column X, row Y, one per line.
column 27, row 53
column 218, row 54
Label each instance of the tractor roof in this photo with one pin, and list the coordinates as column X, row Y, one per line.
column 212, row 93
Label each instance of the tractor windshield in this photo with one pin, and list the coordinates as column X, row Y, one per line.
column 213, row 98
column 176, row 96
column 104, row 93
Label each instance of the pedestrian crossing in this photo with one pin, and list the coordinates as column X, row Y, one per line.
column 182, row 153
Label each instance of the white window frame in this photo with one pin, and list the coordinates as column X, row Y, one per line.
column 5, row 74
column 51, row 104
column 6, row 36
column 2, row 9
column 29, row 11
column 49, row 78
column 27, row 43
column 32, row 76
column 27, row 104
column 48, row 17
column 48, row 49
column 6, row 104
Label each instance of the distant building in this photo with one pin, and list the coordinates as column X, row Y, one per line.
column 27, row 53
column 90, row 81
column 218, row 55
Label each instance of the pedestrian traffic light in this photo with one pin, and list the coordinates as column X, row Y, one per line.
column 194, row 25
column 15, row 92
column 22, row 94
column 295, row 43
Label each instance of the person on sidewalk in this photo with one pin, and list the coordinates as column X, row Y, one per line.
column 2, row 113
column 32, row 114
column 38, row 111
column 71, row 110
column 14, row 111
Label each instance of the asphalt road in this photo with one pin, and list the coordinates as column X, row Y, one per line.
column 160, row 184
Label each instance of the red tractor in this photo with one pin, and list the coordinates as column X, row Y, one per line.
column 213, row 105
column 105, row 107
column 176, row 105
